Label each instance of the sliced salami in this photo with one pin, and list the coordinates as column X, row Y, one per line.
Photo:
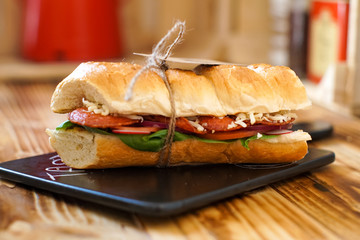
column 84, row 117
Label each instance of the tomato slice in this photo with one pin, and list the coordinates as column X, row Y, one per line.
column 135, row 130
column 228, row 135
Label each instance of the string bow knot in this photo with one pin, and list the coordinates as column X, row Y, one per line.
column 157, row 62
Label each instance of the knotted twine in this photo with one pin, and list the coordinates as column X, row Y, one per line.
column 157, row 62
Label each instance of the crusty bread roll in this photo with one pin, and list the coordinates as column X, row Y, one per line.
column 207, row 91
column 79, row 148
column 219, row 90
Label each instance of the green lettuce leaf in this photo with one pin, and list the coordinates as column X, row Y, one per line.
column 155, row 141
column 66, row 125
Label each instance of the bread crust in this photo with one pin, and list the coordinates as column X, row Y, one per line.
column 217, row 90
column 81, row 149
column 211, row 91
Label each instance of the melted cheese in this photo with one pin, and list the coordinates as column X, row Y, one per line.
column 104, row 110
column 231, row 125
column 281, row 116
column 197, row 125
column 96, row 108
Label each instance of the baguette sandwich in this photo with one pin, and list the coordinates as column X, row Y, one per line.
column 224, row 114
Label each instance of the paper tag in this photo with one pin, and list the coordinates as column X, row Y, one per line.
column 188, row 63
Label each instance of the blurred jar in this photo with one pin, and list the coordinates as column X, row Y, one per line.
column 299, row 16
column 327, row 36
column 70, row 30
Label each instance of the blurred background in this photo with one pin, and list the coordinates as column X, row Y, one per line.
column 318, row 39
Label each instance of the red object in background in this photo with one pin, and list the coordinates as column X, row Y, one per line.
column 327, row 36
column 71, row 30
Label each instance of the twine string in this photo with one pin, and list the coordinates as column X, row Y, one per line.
column 157, row 62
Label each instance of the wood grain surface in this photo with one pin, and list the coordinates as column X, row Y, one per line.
column 322, row 204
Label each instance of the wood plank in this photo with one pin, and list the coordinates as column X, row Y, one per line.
column 283, row 220
column 53, row 216
column 323, row 204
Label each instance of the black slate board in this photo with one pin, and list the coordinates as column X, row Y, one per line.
column 154, row 191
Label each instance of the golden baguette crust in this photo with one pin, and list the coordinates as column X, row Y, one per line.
column 81, row 149
column 217, row 90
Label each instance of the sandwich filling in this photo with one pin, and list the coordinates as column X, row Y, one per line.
column 141, row 132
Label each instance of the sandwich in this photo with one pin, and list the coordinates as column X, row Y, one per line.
column 224, row 114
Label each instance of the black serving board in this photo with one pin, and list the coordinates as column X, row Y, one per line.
column 154, row 191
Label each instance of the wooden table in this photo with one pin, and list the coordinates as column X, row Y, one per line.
column 323, row 204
